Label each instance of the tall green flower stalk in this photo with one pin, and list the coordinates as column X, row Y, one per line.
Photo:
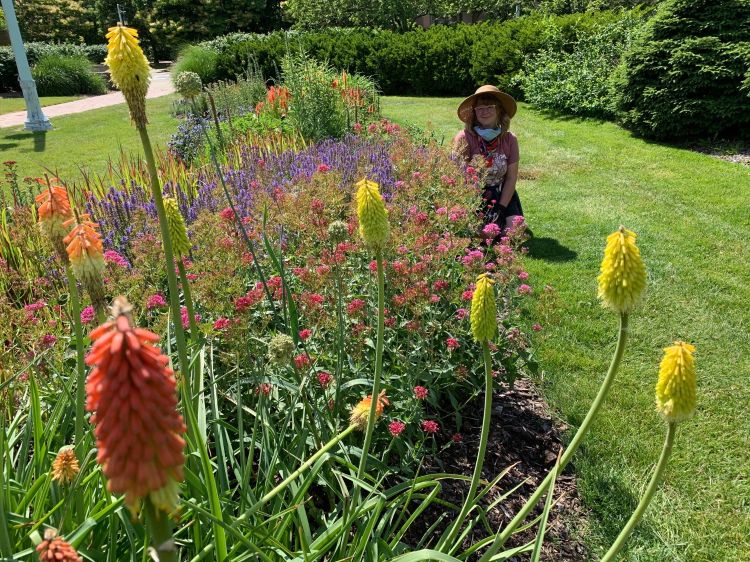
column 374, row 229
column 483, row 327
column 131, row 73
column 75, row 304
column 675, row 401
column 621, row 281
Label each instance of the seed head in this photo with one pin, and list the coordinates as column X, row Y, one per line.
column 280, row 349
column 338, row 231
column 188, row 84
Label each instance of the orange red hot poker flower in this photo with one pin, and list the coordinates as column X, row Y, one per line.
column 132, row 394
column 54, row 211
column 86, row 255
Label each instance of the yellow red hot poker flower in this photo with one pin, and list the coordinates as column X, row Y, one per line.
column 623, row 275
column 483, row 309
column 54, row 210
column 132, row 394
column 360, row 413
column 65, row 466
column 177, row 227
column 85, row 252
column 129, row 70
column 675, row 390
column 373, row 217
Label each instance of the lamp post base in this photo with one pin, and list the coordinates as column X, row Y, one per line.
column 35, row 118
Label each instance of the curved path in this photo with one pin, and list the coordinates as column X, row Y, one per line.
column 160, row 85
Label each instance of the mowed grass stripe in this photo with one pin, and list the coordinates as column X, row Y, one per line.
column 692, row 216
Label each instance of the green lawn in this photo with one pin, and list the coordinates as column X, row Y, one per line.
column 9, row 105
column 84, row 140
column 691, row 215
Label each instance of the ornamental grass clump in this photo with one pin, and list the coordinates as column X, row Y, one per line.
column 131, row 393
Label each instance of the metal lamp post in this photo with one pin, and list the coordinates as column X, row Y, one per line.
column 35, row 119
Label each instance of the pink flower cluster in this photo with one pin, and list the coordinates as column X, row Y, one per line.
column 156, row 301
column 110, row 256
column 421, row 393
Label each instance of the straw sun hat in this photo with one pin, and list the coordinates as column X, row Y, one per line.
column 466, row 108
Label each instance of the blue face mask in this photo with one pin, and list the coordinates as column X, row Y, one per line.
column 488, row 134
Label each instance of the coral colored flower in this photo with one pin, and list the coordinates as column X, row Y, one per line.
column 430, row 426
column 156, row 301
column 623, row 275
column 264, row 388
column 483, row 309
column 675, row 390
column 324, row 379
column 373, row 218
column 360, row 413
column 302, row 360
column 132, row 394
column 421, row 392
column 537, row 327
column 355, row 306
column 221, row 323
column 452, row 343
column 227, row 214
column 304, row 334
column 54, row 211
column 177, row 228
column 85, row 252
column 129, row 70
column 87, row 315
column 65, row 466
column 53, row 548
column 324, row 168
column 396, row 428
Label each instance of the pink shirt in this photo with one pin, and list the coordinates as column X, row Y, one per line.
column 506, row 153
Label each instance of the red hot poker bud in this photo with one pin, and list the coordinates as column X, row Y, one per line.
column 56, row 549
column 132, row 394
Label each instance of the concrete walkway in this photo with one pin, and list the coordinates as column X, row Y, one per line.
column 160, row 85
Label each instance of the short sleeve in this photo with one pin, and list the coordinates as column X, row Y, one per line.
column 512, row 149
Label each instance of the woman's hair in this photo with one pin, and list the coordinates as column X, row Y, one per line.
column 503, row 118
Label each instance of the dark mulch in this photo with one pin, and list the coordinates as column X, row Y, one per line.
column 525, row 433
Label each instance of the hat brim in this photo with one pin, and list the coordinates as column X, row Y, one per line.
column 466, row 107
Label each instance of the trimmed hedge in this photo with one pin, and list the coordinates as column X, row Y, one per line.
column 684, row 78
column 439, row 61
column 35, row 51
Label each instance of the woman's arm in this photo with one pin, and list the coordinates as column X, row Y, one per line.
column 509, row 184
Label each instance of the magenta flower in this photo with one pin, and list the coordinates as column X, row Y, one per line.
column 34, row 306
column 186, row 319
column 524, row 289
column 537, row 327
column 355, row 306
column 48, row 340
column 87, row 315
column 430, row 426
column 110, row 256
column 227, row 214
column 156, row 301
column 523, row 276
column 304, row 334
column 491, row 230
column 457, row 438
column 396, row 427
column 462, row 313
column 221, row 323
column 421, row 393
column 452, row 343
column 324, row 379
column 264, row 388
column 302, row 360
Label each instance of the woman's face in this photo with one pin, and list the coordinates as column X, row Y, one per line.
column 486, row 113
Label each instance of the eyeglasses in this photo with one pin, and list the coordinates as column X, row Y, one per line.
column 485, row 107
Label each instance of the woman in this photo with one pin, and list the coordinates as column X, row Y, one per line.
column 486, row 115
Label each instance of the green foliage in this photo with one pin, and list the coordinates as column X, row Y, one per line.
column 55, row 20
column 198, row 59
column 35, row 51
column 442, row 60
column 388, row 14
column 58, row 75
column 683, row 78
column 317, row 111
column 578, row 81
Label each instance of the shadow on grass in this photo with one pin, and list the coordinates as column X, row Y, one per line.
column 549, row 249
column 40, row 139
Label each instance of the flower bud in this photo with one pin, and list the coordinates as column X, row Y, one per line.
column 84, row 248
column 65, row 466
column 675, row 390
column 623, row 275
column 57, row 549
column 280, row 349
column 188, row 84
column 373, row 218
column 177, row 229
column 338, row 231
column 483, row 309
